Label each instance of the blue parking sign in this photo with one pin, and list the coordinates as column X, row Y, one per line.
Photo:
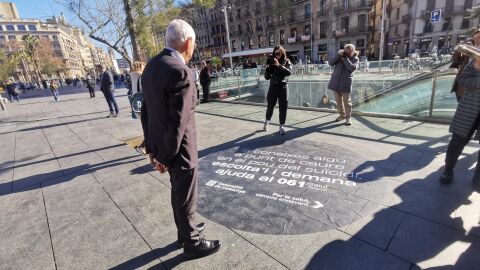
column 435, row 16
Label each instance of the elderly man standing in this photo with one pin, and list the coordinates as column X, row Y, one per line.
column 170, row 99
column 345, row 62
column 205, row 80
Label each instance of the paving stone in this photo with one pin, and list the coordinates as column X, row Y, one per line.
column 429, row 244
column 24, row 232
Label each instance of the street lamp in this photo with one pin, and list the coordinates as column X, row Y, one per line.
column 382, row 34
column 226, row 8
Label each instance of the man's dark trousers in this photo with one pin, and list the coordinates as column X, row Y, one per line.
column 112, row 103
column 184, row 201
column 206, row 91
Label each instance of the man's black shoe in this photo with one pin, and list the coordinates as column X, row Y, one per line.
column 200, row 228
column 201, row 248
column 446, row 178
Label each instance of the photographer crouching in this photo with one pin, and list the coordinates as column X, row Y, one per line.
column 345, row 63
column 278, row 69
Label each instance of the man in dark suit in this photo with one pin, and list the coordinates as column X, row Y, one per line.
column 205, row 80
column 170, row 99
column 107, row 86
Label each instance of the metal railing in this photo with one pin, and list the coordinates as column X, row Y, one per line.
column 408, row 89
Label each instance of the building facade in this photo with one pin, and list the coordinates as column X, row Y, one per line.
column 75, row 53
column 409, row 26
column 312, row 31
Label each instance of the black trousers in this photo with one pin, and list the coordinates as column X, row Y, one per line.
column 277, row 92
column 454, row 150
column 91, row 90
column 184, row 202
column 206, row 91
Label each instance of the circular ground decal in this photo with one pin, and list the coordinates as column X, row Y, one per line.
column 273, row 186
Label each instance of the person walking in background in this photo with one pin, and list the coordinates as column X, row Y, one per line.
column 465, row 122
column 54, row 89
column 459, row 61
column 277, row 71
column 12, row 91
column 136, row 87
column 171, row 139
column 196, row 77
column 107, row 86
column 90, row 83
column 205, row 81
column 345, row 62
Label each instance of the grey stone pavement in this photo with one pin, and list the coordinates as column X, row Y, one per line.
column 73, row 195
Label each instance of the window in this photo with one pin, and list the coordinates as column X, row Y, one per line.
column 242, row 45
column 446, row 23
column 260, row 41
column 271, row 39
column 293, row 32
column 323, row 29
column 398, row 13
column 1, row 27
column 10, row 27
column 2, row 37
column 21, row 27
column 250, row 43
column 32, row 27
column 307, row 11
column 360, row 43
column 343, row 43
column 430, row 5
column 465, row 23
column 233, row 46
column 55, row 37
column 307, row 30
column 323, row 4
column 282, row 36
column 12, row 37
column 362, row 23
column 344, row 24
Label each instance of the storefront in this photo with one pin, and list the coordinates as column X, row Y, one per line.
column 425, row 45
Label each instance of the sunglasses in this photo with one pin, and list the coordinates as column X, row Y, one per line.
column 278, row 53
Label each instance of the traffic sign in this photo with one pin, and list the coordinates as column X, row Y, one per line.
column 435, row 16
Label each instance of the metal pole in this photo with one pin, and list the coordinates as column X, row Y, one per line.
column 432, row 98
column 228, row 37
column 311, row 31
column 382, row 33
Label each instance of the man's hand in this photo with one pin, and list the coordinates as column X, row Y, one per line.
column 341, row 52
column 477, row 64
column 157, row 165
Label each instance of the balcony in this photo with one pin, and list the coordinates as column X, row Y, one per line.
column 323, row 12
column 353, row 5
column 291, row 40
column 407, row 18
column 305, row 38
column 300, row 18
column 459, row 10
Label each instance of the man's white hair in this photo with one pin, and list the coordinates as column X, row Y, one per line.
column 351, row 46
column 178, row 31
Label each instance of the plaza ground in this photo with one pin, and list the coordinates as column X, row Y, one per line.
column 74, row 194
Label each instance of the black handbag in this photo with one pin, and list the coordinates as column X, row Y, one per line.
column 136, row 102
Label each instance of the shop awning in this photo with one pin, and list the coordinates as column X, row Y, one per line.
column 250, row 52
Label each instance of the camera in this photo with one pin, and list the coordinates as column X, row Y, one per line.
column 270, row 61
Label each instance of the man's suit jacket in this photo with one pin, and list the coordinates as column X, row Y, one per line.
column 106, row 84
column 170, row 99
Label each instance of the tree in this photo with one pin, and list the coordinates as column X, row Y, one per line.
column 119, row 23
column 45, row 58
column 8, row 65
column 29, row 50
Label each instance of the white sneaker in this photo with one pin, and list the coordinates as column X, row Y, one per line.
column 281, row 130
column 265, row 125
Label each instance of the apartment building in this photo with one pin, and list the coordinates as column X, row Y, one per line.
column 409, row 26
column 309, row 30
column 68, row 43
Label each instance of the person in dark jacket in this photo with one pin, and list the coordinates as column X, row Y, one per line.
column 107, row 86
column 171, row 141
column 345, row 62
column 90, row 83
column 12, row 91
column 205, row 81
column 465, row 122
column 277, row 72
column 459, row 61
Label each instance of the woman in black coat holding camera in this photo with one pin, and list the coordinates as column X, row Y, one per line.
column 278, row 69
